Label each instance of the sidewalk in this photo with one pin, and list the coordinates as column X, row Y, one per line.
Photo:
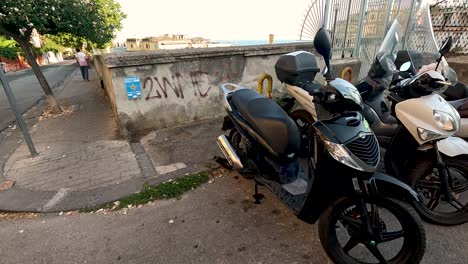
column 82, row 161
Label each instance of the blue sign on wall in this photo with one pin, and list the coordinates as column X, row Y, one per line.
column 132, row 84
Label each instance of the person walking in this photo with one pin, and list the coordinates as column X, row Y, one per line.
column 82, row 60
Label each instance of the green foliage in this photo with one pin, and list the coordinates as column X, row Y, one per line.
column 95, row 20
column 67, row 40
column 51, row 45
column 8, row 48
column 167, row 190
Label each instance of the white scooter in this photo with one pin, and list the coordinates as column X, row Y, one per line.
column 413, row 62
column 462, row 108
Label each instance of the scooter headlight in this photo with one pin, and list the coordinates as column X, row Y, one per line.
column 445, row 121
column 339, row 153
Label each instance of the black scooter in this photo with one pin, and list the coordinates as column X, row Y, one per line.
column 327, row 173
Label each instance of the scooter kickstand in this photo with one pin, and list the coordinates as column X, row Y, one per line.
column 258, row 196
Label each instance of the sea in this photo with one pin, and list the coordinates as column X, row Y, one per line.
column 250, row 42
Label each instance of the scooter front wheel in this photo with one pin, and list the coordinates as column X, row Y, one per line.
column 387, row 231
column 433, row 206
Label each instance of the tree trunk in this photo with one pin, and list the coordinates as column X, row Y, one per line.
column 31, row 58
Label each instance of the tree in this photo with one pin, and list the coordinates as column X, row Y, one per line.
column 96, row 20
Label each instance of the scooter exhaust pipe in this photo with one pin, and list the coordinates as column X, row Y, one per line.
column 229, row 152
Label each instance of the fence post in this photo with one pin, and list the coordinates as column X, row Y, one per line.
column 360, row 28
column 408, row 25
column 337, row 8
column 387, row 17
column 346, row 30
column 326, row 17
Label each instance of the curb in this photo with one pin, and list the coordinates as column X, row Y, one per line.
column 23, row 200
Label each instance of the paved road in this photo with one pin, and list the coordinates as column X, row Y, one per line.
column 216, row 223
column 27, row 90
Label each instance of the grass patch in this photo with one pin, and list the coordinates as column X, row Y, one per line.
column 167, row 190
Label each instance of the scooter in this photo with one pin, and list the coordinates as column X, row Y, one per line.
column 328, row 173
column 462, row 107
column 414, row 62
column 416, row 128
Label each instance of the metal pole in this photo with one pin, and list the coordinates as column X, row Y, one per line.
column 408, row 25
column 357, row 46
column 399, row 7
column 19, row 117
column 387, row 17
column 334, row 26
column 346, row 29
column 326, row 17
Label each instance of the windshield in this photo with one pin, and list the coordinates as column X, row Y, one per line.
column 420, row 40
column 409, row 39
column 420, row 34
column 392, row 42
column 383, row 68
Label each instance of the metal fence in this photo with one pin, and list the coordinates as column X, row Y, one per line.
column 452, row 21
column 358, row 27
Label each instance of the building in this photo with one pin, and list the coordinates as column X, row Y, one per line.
column 132, row 44
column 166, row 42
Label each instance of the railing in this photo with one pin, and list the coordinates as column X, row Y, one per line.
column 358, row 27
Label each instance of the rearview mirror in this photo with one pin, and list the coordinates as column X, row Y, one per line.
column 445, row 48
column 405, row 66
column 322, row 44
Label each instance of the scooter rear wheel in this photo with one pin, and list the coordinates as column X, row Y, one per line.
column 399, row 235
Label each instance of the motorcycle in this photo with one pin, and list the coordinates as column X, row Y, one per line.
column 416, row 128
column 327, row 173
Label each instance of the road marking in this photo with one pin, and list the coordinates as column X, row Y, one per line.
column 170, row 168
column 62, row 193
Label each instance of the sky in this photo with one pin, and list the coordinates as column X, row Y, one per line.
column 213, row 19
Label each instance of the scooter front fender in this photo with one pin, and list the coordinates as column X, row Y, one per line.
column 453, row 146
column 392, row 187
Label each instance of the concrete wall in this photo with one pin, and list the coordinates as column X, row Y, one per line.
column 181, row 86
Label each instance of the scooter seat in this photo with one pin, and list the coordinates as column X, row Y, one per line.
column 269, row 121
column 461, row 106
column 456, row 92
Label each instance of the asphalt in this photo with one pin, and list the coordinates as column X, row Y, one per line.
column 27, row 90
column 215, row 223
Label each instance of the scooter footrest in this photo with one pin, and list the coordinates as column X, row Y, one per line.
column 296, row 187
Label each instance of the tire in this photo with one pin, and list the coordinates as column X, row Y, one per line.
column 458, row 172
column 414, row 237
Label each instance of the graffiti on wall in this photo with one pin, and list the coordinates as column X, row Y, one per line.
column 199, row 83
